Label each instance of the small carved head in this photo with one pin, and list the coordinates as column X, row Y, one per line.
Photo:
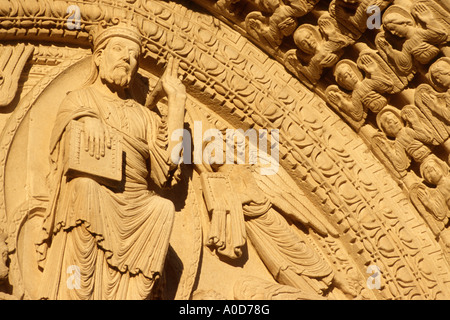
column 347, row 74
column 433, row 170
column 307, row 38
column 440, row 73
column 348, row 4
column 398, row 22
column 390, row 122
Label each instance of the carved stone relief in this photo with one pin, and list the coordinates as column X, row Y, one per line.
column 104, row 99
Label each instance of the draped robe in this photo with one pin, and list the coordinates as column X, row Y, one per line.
column 116, row 239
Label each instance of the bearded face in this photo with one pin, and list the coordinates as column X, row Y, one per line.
column 118, row 62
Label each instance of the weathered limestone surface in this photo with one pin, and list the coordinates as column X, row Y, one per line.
column 117, row 120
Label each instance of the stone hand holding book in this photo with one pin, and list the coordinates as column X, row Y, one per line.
column 106, row 169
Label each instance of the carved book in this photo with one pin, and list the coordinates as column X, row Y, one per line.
column 227, row 231
column 78, row 162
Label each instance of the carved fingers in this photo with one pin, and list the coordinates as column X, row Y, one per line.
column 329, row 60
column 368, row 64
column 423, row 195
column 430, row 100
column 410, row 116
column 327, row 27
column 384, row 44
column 422, row 12
column 171, row 80
column 96, row 137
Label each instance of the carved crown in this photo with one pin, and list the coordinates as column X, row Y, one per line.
column 124, row 29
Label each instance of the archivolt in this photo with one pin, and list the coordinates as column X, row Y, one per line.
column 242, row 84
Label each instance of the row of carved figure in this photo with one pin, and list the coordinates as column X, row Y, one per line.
column 409, row 53
column 408, row 38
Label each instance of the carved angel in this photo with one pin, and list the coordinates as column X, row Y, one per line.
column 421, row 44
column 433, row 203
column 435, row 104
column 270, row 30
column 359, row 93
column 270, row 204
column 318, row 48
column 412, row 139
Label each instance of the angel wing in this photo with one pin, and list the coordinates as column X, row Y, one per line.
column 439, row 127
column 420, row 123
column 12, row 61
column 257, row 26
column 291, row 61
column 383, row 149
column 434, row 219
column 271, row 203
column 290, row 201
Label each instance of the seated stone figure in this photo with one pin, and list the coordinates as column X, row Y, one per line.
column 116, row 237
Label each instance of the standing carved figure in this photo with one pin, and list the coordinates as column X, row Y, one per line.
column 421, row 44
column 117, row 236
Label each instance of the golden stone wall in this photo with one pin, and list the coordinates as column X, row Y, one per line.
column 354, row 210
